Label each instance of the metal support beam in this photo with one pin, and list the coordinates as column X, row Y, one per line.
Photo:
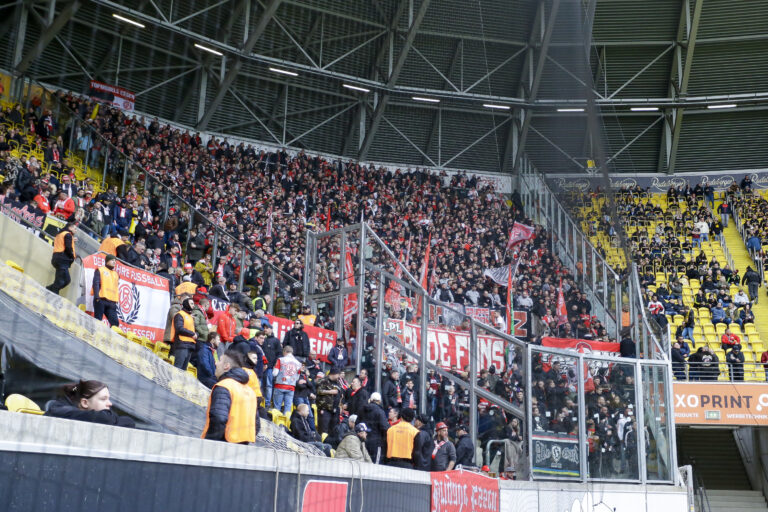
column 48, row 35
column 431, row 137
column 229, row 78
column 682, row 85
column 393, row 76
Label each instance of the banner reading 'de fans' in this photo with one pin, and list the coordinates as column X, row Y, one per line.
column 459, row 491
column 450, row 347
column 144, row 297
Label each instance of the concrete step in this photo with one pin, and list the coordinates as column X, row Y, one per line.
column 738, row 500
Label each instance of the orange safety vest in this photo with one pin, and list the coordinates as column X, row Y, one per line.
column 110, row 245
column 400, row 440
column 189, row 324
column 109, row 283
column 241, row 424
column 253, row 382
column 58, row 243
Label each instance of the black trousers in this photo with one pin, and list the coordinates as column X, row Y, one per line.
column 181, row 355
column 326, row 421
column 103, row 307
column 61, row 280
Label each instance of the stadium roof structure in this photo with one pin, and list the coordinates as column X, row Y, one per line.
column 362, row 79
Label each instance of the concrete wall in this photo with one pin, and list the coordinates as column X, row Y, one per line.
column 753, row 445
column 124, row 469
column 34, row 255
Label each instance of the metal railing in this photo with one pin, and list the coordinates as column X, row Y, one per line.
column 720, row 371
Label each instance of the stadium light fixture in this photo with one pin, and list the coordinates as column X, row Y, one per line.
column 356, row 88
column 422, row 98
column 283, row 71
column 644, row 109
column 727, row 105
column 211, row 50
column 126, row 20
column 570, row 110
column 498, row 107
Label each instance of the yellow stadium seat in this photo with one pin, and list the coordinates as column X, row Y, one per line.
column 14, row 265
column 191, row 369
column 20, row 403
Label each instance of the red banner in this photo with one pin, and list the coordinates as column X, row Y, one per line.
column 350, row 301
column 321, row 341
column 461, row 491
column 450, row 347
column 112, row 94
column 581, row 346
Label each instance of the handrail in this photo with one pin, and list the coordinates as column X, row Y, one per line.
column 112, row 148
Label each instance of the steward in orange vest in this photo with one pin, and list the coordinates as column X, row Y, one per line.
column 183, row 335
column 115, row 245
column 105, row 291
column 63, row 257
column 400, row 438
column 232, row 410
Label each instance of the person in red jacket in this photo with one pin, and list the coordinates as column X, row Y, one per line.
column 65, row 206
column 226, row 326
column 764, row 361
column 728, row 339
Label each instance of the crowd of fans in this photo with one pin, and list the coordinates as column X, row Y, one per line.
column 267, row 200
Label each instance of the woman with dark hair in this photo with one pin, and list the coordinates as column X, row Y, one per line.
column 88, row 400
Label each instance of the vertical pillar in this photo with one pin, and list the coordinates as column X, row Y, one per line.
column 190, row 225
column 203, row 93
column 106, row 163
column 215, row 252
column 166, row 204
column 125, row 177
column 361, row 297
column 472, row 380
column 640, row 415
column 241, row 279
column 582, row 430
column 271, row 307
column 379, row 335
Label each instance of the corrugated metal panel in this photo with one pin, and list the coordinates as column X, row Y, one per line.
column 622, row 63
column 566, row 132
column 501, row 19
column 729, row 68
column 726, row 18
column 721, row 141
column 632, row 20
column 643, row 154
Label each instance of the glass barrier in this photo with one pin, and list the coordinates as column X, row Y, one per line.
column 554, row 415
column 659, row 443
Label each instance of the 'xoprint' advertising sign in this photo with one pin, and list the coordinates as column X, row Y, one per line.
column 723, row 403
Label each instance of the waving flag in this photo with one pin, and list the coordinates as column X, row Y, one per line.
column 423, row 274
column 520, row 233
column 562, row 312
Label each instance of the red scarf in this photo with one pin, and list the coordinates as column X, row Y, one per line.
column 437, row 448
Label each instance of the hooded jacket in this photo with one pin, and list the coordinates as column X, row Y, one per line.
column 352, row 447
column 221, row 402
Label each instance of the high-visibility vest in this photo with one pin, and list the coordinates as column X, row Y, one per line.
column 307, row 319
column 400, row 440
column 253, row 382
column 241, row 423
column 109, row 283
column 59, row 243
column 110, row 245
column 189, row 324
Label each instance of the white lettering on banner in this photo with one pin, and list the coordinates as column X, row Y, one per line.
column 144, row 298
column 450, row 347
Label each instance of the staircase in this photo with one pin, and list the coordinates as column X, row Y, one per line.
column 715, row 458
column 742, row 260
column 736, row 501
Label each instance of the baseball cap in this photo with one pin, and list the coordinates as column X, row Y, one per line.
column 462, row 427
column 485, row 468
column 362, row 427
column 334, row 371
column 375, row 396
column 187, row 265
column 353, row 418
column 440, row 426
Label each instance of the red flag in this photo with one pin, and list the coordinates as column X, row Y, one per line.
column 519, row 233
column 562, row 312
column 350, row 300
column 510, row 320
column 392, row 296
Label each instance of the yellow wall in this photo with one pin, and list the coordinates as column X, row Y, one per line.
column 34, row 255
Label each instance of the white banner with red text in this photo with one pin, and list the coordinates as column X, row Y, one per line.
column 113, row 95
column 144, row 297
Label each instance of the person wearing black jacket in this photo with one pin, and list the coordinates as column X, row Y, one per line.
column 181, row 349
column 735, row 360
column 391, row 391
column 375, row 418
column 465, row 449
column 229, row 368
column 752, row 280
column 298, row 340
column 88, row 400
column 357, row 397
column 272, row 351
column 63, row 257
column 423, row 444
